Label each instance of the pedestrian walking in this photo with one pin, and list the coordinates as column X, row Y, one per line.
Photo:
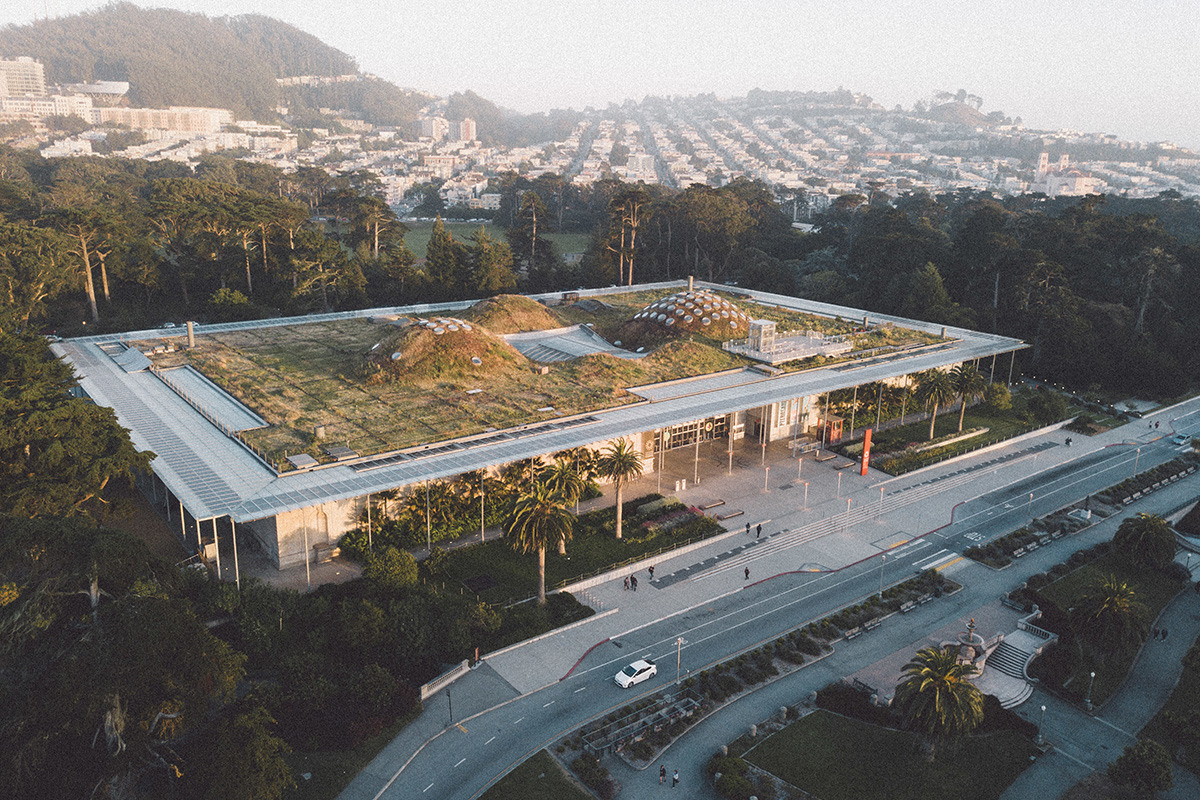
column 633, row 582
column 651, row 572
column 627, row 583
column 675, row 779
column 1154, row 633
column 1164, row 634
column 1156, row 426
column 747, row 528
column 747, row 573
column 758, row 532
column 662, row 774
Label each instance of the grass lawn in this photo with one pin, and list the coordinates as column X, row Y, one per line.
column 1153, row 588
column 570, row 242
column 539, row 778
column 332, row 770
column 838, row 758
column 592, row 550
column 419, row 234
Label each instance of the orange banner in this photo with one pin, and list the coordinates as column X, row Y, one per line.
column 866, row 452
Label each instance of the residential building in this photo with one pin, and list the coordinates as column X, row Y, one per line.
column 23, row 76
column 176, row 118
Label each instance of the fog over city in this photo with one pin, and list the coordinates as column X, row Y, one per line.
column 1126, row 69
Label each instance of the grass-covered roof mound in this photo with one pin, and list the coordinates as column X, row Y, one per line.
column 510, row 313
column 443, row 350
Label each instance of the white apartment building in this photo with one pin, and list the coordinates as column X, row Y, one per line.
column 22, row 76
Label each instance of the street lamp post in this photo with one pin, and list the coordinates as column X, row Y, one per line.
column 880, row 514
column 1042, row 721
column 800, row 468
column 839, row 489
column 1029, row 510
column 1137, row 456
column 806, row 495
column 1087, row 701
column 766, row 476
column 678, row 653
column 882, row 561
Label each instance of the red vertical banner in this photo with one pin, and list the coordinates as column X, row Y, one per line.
column 866, row 452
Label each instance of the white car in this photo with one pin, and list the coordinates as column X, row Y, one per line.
column 1181, row 438
column 638, row 671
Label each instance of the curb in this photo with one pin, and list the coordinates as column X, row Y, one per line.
column 577, row 623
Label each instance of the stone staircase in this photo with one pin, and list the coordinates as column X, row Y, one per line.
column 1009, row 659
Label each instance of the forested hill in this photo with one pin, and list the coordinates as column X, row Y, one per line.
column 177, row 58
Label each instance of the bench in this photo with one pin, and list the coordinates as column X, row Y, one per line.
column 853, row 632
column 1019, row 552
column 712, row 505
column 873, row 624
column 826, row 457
column 907, row 606
column 925, row 598
column 730, row 515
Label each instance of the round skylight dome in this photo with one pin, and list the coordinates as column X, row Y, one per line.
column 694, row 311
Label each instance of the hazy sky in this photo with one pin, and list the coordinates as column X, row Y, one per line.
column 1131, row 68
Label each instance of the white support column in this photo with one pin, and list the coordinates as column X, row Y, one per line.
column 237, row 573
column 217, row 545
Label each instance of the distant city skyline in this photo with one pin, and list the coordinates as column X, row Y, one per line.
column 1132, row 70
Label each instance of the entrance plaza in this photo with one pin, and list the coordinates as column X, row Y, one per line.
column 217, row 491
column 820, row 537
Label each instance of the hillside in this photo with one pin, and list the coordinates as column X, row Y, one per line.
column 957, row 113
column 177, row 58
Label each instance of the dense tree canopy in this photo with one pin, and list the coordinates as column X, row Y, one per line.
column 58, row 452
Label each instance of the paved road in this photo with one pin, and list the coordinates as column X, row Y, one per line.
column 717, row 614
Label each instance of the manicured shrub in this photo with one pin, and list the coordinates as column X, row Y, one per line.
column 734, row 787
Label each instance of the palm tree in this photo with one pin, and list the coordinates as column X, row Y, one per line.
column 567, row 486
column 620, row 463
column 536, row 521
column 936, row 699
column 934, row 388
column 1147, row 539
column 970, row 385
column 1110, row 616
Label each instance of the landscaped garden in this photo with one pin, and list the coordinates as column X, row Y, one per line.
column 838, row 758
column 898, row 449
column 498, row 574
column 376, row 387
column 1102, row 603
